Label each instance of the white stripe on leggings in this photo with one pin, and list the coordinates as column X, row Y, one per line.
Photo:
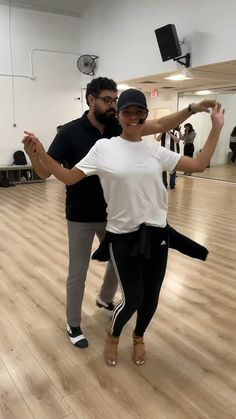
column 119, row 306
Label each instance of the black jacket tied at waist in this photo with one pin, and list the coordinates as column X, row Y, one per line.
column 142, row 242
column 141, row 247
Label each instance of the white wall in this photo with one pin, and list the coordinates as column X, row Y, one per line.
column 122, row 34
column 49, row 100
column 161, row 105
column 163, row 100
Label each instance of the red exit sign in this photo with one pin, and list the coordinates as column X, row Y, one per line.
column 154, row 93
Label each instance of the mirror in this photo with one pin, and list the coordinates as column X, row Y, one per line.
column 220, row 167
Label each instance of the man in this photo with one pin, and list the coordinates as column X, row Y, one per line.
column 170, row 141
column 85, row 205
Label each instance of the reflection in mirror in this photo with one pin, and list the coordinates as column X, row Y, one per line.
column 220, row 167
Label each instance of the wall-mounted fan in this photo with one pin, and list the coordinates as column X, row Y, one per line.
column 86, row 64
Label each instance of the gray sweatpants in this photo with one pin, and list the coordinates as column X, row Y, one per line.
column 81, row 236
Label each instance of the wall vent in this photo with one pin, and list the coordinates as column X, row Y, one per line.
column 148, row 82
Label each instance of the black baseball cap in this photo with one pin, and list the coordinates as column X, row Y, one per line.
column 131, row 97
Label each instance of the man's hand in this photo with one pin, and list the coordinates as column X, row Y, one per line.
column 204, row 105
column 32, row 146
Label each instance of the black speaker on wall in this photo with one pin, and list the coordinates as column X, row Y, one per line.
column 168, row 42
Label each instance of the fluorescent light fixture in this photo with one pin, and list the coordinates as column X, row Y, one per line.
column 204, row 92
column 177, row 77
column 123, row 86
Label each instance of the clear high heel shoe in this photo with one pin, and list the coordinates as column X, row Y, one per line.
column 111, row 350
column 139, row 353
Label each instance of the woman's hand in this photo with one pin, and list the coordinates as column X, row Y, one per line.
column 29, row 145
column 217, row 116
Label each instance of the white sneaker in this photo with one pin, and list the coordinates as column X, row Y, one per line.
column 76, row 336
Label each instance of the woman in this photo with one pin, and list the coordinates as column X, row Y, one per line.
column 232, row 144
column 188, row 139
column 130, row 171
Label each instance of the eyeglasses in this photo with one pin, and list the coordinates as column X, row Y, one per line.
column 108, row 100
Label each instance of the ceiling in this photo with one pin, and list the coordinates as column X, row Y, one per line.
column 219, row 76
column 64, row 7
column 214, row 76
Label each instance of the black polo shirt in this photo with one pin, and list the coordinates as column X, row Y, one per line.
column 84, row 200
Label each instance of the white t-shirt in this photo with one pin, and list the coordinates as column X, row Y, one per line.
column 131, row 177
column 167, row 141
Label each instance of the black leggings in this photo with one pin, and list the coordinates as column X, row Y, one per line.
column 188, row 149
column 140, row 278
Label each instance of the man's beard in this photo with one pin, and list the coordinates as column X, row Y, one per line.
column 105, row 118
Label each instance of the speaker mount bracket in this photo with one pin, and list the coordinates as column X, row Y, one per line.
column 185, row 63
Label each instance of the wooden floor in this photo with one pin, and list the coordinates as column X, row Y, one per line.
column 226, row 173
column 191, row 367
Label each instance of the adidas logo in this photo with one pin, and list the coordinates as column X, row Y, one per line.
column 163, row 242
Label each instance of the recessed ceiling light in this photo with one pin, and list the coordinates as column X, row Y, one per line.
column 178, row 77
column 183, row 74
column 204, row 92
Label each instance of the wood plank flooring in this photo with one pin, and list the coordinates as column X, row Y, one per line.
column 191, row 368
column 226, row 173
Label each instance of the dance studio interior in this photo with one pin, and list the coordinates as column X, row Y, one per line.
column 177, row 53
